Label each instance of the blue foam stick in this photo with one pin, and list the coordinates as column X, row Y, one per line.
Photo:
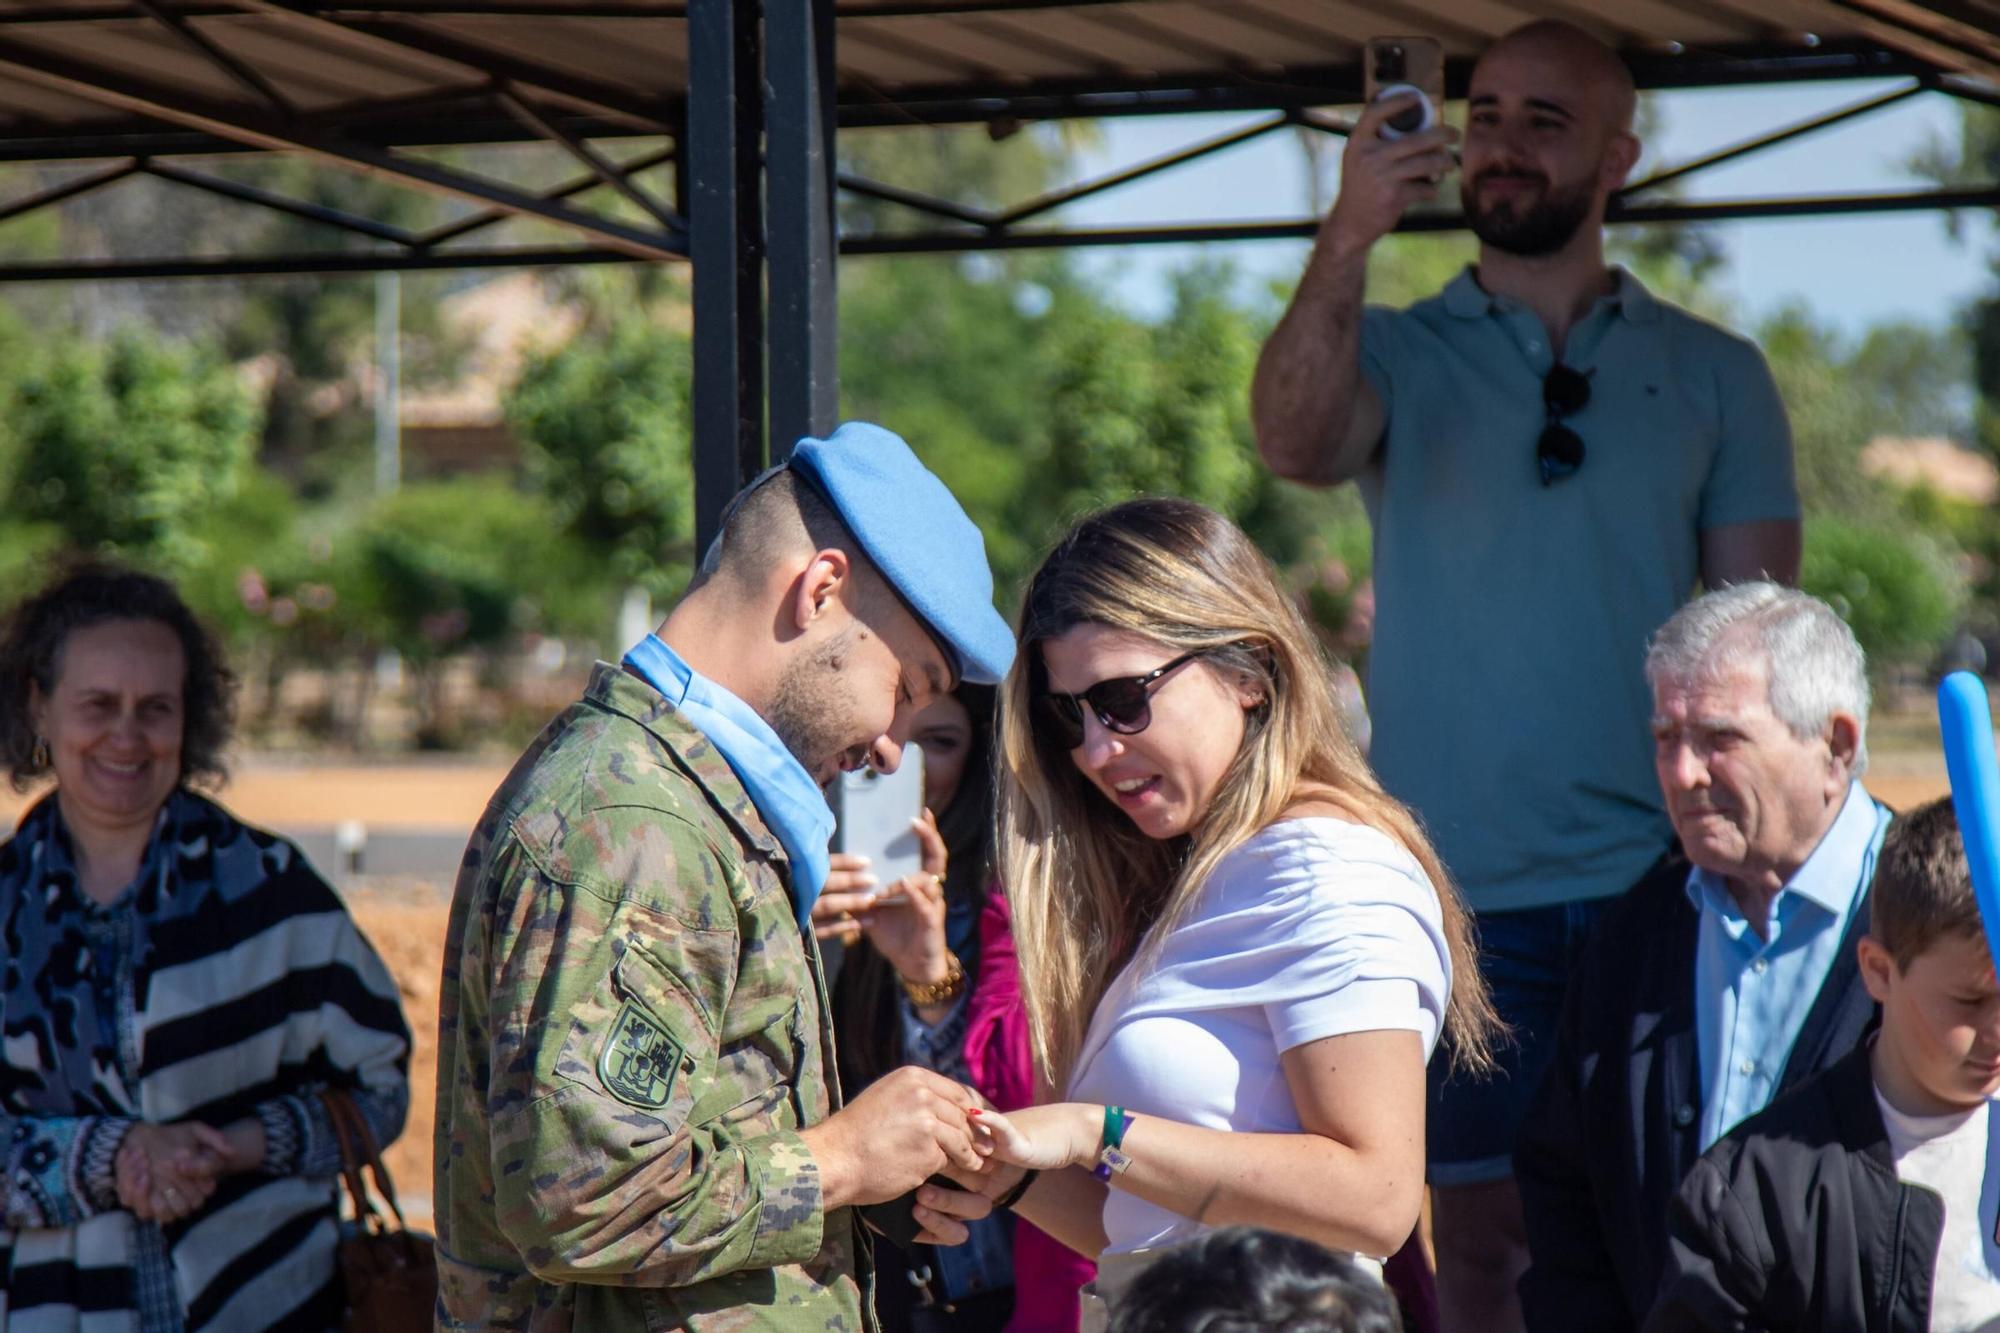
column 1965, row 721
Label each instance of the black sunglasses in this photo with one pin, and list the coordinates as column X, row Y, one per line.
column 1559, row 453
column 1123, row 703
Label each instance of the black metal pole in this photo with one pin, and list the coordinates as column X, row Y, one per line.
column 724, row 128
column 805, row 367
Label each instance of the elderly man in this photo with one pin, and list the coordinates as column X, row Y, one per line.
column 1551, row 458
column 1709, row 988
column 637, row 1119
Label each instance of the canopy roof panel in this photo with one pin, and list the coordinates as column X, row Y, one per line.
column 103, row 77
column 151, row 84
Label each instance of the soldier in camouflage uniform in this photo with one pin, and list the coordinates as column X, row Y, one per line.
column 638, row 1125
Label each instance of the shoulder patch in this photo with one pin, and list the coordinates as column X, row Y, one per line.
column 638, row 1059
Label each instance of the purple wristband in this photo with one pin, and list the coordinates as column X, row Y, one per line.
column 1109, row 1157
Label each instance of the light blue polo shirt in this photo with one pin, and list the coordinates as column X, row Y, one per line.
column 1506, row 677
column 1752, row 995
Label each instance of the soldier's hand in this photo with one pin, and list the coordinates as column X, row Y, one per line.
column 903, row 1128
column 1381, row 178
column 943, row 1214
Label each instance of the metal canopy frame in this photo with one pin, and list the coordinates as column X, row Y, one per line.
column 733, row 168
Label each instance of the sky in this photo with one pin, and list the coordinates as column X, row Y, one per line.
column 1850, row 271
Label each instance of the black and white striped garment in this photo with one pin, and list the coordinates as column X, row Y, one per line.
column 228, row 982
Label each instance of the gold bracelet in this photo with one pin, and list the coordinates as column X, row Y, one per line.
column 937, row 992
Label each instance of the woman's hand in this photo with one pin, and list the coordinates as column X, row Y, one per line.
column 166, row 1172
column 909, row 930
column 1043, row 1138
column 849, row 889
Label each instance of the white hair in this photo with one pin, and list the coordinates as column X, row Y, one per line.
column 1813, row 666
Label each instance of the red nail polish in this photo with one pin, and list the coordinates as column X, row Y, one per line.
column 972, row 1111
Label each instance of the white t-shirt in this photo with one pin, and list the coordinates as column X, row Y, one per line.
column 1949, row 1154
column 1312, row 928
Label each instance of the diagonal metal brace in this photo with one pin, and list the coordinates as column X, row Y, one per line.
column 1139, row 171
column 494, row 64
column 50, row 70
column 917, row 200
column 1774, row 138
column 494, row 216
column 278, row 203
column 70, row 189
column 243, row 74
column 607, row 171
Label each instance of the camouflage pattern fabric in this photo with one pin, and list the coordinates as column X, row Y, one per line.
column 632, row 1031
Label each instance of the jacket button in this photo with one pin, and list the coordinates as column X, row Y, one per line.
column 1684, row 1115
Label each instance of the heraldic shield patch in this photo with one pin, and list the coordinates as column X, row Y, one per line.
column 639, row 1059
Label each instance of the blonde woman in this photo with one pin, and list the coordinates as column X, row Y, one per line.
column 1238, row 953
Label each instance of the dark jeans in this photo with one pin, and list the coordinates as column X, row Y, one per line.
column 1526, row 958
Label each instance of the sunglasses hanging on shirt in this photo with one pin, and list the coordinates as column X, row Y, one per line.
column 1559, row 452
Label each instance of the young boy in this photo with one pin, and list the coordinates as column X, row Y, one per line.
column 1865, row 1199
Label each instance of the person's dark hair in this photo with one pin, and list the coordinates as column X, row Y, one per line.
column 867, row 1017
column 1923, row 885
column 93, row 594
column 1249, row 1280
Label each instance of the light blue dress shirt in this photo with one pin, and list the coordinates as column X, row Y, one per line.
column 777, row 783
column 1752, row 995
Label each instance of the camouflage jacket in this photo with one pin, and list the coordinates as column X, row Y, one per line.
column 632, row 1030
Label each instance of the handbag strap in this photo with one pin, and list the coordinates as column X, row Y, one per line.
column 358, row 1152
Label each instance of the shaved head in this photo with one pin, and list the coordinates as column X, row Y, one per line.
column 1591, row 70
column 1548, row 140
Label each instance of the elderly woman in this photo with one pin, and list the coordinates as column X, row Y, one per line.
column 178, row 990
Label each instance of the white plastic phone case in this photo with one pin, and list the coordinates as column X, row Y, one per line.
column 873, row 813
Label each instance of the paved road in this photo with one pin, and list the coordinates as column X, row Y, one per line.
column 431, row 856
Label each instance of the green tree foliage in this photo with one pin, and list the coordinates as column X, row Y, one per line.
column 606, row 423
column 1129, row 408
column 942, row 352
column 1898, row 592
column 128, row 445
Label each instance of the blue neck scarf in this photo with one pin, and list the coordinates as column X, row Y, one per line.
column 779, row 786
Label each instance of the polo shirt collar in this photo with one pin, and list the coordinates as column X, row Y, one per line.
column 1829, row 878
column 1465, row 298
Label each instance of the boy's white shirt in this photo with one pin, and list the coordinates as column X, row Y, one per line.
column 1955, row 1156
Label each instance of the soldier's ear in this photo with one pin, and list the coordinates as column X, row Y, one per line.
column 818, row 587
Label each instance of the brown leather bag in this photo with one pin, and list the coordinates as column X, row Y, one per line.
column 390, row 1272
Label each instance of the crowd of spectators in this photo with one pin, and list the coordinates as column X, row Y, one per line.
column 1595, row 934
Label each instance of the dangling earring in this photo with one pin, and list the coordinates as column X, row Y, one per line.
column 40, row 758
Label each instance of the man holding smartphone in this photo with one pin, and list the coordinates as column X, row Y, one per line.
column 1551, row 459
column 638, row 1121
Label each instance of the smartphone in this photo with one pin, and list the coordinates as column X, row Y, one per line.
column 872, row 813
column 1395, row 65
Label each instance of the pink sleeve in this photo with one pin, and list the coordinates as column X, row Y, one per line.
column 996, row 1027
column 1047, row 1273
column 1047, row 1277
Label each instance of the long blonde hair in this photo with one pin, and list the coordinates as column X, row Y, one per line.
column 1089, row 891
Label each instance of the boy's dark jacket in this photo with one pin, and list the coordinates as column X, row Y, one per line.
column 1796, row 1220
column 1617, row 1121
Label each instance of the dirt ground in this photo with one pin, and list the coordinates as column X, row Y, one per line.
column 407, row 927
column 275, row 793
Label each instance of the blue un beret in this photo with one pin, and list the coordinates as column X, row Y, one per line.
column 912, row 527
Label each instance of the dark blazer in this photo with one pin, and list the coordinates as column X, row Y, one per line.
column 1796, row 1220
column 1616, row 1122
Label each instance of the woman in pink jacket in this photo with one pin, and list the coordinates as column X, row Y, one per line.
column 929, row 978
